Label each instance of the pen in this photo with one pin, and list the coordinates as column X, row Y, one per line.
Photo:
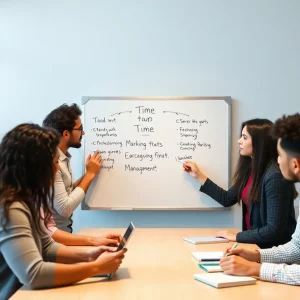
column 234, row 246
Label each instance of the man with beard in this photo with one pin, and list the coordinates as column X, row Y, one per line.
column 68, row 195
column 282, row 263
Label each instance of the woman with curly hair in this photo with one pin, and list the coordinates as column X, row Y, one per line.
column 28, row 256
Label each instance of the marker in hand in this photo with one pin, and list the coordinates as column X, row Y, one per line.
column 185, row 167
column 234, row 246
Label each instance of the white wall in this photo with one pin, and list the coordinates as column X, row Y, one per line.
column 57, row 51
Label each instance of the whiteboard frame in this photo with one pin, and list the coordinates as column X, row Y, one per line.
column 227, row 99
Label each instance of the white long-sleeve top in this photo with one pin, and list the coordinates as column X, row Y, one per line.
column 66, row 199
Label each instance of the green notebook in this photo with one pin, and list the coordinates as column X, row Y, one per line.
column 210, row 267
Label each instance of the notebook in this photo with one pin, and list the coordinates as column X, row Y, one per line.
column 221, row 280
column 207, row 256
column 211, row 267
column 205, row 240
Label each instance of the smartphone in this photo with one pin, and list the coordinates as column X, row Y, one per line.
column 124, row 241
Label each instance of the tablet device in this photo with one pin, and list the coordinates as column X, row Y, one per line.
column 124, row 241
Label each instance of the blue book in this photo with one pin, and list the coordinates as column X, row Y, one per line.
column 208, row 256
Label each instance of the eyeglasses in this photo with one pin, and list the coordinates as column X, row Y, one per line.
column 80, row 128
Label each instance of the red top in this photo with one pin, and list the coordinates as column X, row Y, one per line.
column 244, row 199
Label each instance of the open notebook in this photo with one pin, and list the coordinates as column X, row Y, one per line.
column 221, row 280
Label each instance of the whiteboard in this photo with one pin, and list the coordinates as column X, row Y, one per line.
column 141, row 140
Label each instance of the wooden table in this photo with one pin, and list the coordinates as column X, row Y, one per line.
column 159, row 265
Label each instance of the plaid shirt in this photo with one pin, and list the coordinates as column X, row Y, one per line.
column 282, row 263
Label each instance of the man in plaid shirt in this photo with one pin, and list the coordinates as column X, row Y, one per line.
column 282, row 263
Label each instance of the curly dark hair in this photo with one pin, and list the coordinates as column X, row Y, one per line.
column 27, row 171
column 288, row 127
column 63, row 117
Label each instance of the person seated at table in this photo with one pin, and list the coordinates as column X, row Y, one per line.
column 28, row 256
column 277, row 264
column 69, row 239
column 267, row 198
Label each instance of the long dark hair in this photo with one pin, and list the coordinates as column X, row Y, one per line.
column 27, row 171
column 264, row 152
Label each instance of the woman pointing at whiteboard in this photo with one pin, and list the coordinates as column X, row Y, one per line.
column 267, row 198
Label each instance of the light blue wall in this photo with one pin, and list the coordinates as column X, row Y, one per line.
column 57, row 51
